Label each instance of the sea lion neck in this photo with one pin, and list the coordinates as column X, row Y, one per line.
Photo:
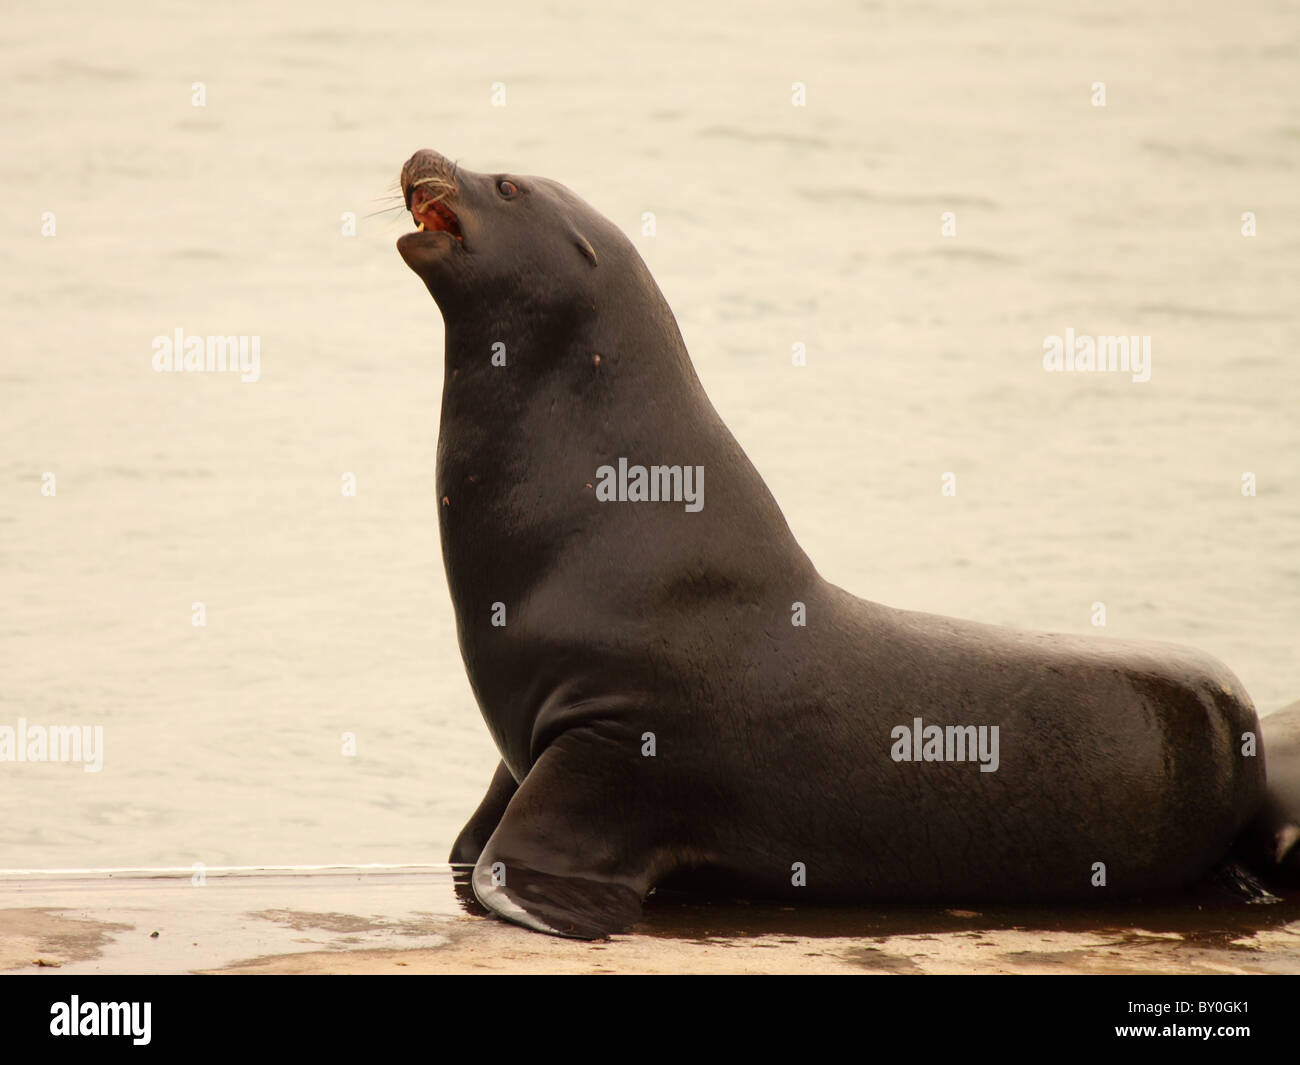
column 623, row 333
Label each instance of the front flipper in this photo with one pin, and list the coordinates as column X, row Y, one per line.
column 567, row 859
column 469, row 844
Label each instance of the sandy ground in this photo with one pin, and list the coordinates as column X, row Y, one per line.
column 412, row 921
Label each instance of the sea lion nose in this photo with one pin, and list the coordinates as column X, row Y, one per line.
column 424, row 163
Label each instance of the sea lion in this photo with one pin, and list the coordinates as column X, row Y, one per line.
column 679, row 698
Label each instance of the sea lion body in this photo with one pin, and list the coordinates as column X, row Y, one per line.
column 678, row 697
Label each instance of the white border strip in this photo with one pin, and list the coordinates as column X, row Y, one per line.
column 188, row 870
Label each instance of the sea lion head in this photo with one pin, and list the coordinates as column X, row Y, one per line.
column 510, row 240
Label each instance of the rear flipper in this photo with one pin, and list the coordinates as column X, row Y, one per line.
column 1270, row 844
column 1232, row 878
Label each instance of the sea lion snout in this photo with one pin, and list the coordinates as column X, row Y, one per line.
column 428, row 184
column 426, row 163
column 431, row 192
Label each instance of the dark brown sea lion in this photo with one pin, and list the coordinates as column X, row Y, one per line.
column 678, row 696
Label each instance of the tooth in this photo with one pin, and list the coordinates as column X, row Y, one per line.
column 420, row 228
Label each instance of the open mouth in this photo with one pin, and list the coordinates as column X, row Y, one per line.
column 431, row 213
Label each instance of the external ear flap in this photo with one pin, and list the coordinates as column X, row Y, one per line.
column 583, row 245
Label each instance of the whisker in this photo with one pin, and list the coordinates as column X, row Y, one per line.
column 441, row 182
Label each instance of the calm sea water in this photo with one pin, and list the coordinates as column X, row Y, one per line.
column 776, row 225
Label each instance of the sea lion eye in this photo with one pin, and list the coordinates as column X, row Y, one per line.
column 506, row 188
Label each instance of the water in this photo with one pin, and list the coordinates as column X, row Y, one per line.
column 775, row 225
